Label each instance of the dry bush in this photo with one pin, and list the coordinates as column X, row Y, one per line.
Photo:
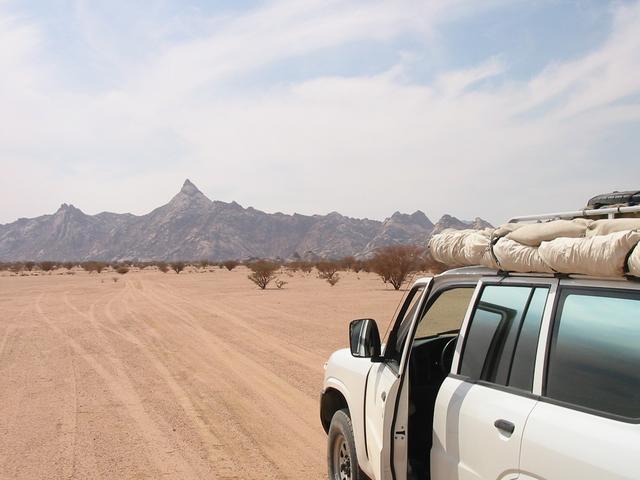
column 262, row 272
column 46, row 266
column 28, row 266
column 93, row 266
column 333, row 280
column 69, row 265
column 394, row 263
column 15, row 267
column 115, row 279
column 347, row 263
column 431, row 265
column 178, row 266
column 122, row 269
column 162, row 266
column 280, row 283
column 204, row 263
column 230, row 264
column 327, row 269
column 296, row 265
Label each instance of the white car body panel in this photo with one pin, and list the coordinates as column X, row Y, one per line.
column 466, row 443
column 348, row 375
column 562, row 443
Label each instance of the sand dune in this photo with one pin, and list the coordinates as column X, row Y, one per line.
column 197, row 375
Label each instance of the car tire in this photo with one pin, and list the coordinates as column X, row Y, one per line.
column 342, row 460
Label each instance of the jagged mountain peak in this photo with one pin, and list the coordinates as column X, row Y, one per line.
column 188, row 188
column 189, row 197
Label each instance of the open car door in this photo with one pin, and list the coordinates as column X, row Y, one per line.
column 386, row 404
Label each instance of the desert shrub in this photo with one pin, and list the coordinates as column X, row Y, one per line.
column 262, row 272
column 431, row 265
column 115, row 279
column 28, row 266
column 68, row 265
column 347, row 263
column 204, row 263
column 327, row 269
column 122, row 269
column 46, row 266
column 230, row 264
column 15, row 267
column 162, row 266
column 357, row 266
column 280, row 283
column 177, row 266
column 333, row 280
column 394, row 263
column 93, row 266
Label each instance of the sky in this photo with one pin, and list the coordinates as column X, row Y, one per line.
column 366, row 107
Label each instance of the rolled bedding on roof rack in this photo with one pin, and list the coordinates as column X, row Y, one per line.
column 560, row 246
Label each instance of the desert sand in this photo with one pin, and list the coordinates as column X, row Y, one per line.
column 197, row 375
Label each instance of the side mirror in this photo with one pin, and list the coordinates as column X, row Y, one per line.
column 364, row 339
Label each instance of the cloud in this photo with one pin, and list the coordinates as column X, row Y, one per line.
column 470, row 141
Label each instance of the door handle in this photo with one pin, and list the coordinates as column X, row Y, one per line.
column 505, row 426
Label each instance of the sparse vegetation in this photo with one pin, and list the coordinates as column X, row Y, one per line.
column 394, row 263
column 93, row 266
column 178, row 266
column 162, row 266
column 46, row 266
column 262, row 273
column 122, row 269
column 333, row 280
column 328, row 270
column 28, row 266
column 230, row 264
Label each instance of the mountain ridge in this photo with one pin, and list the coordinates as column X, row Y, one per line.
column 191, row 226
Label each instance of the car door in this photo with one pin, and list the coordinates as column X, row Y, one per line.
column 587, row 424
column 482, row 409
column 382, row 387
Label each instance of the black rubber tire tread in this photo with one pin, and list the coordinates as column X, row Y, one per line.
column 341, row 425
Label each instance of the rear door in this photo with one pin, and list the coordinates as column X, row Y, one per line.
column 586, row 425
column 482, row 409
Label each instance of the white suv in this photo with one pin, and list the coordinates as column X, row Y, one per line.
column 491, row 376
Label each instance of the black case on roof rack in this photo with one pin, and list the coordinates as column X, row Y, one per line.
column 629, row 198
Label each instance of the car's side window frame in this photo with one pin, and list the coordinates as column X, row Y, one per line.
column 392, row 337
column 540, row 358
column 577, row 285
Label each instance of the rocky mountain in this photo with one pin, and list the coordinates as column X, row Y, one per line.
column 191, row 226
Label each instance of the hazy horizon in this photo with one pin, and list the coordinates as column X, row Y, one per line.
column 490, row 109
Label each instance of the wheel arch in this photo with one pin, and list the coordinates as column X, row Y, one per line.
column 331, row 401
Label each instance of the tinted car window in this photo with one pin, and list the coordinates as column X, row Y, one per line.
column 495, row 333
column 524, row 355
column 594, row 360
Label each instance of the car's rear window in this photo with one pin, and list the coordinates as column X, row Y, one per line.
column 594, row 359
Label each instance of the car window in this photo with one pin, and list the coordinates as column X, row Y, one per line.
column 445, row 313
column 594, row 359
column 524, row 355
column 397, row 337
column 495, row 334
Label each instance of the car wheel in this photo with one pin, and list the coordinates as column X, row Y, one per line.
column 341, row 449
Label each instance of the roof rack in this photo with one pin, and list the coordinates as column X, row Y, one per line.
column 610, row 212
